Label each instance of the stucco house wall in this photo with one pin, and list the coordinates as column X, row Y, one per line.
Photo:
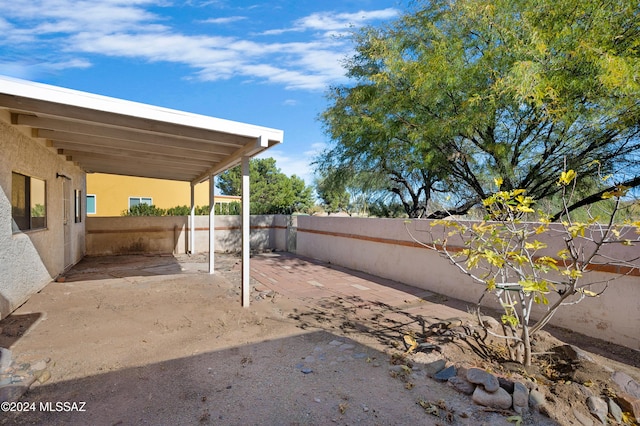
column 31, row 259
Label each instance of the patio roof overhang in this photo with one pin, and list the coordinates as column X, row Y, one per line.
column 107, row 135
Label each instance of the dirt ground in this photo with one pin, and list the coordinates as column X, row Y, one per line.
column 155, row 340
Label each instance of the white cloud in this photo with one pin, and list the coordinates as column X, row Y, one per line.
column 298, row 165
column 225, row 20
column 57, row 16
column 127, row 28
column 71, row 63
column 332, row 23
column 328, row 21
column 32, row 71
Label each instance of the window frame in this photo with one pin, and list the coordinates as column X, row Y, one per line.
column 95, row 203
column 150, row 203
column 26, row 222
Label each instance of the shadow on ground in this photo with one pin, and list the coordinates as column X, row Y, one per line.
column 108, row 267
column 14, row 327
column 312, row 378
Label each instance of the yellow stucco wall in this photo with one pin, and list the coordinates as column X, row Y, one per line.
column 112, row 193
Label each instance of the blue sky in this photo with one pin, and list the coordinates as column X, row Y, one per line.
column 264, row 62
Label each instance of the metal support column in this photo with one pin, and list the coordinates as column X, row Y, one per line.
column 246, row 247
column 212, row 232
column 192, row 221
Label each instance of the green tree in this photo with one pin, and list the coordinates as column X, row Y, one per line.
column 271, row 191
column 332, row 191
column 455, row 93
column 384, row 209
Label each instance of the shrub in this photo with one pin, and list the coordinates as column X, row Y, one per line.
column 506, row 255
column 144, row 210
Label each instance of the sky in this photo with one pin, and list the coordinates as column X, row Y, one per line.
column 263, row 62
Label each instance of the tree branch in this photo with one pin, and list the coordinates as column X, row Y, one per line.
column 460, row 210
column 594, row 198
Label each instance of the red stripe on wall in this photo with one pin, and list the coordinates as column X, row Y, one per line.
column 614, row 269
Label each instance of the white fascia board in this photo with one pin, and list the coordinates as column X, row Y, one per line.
column 60, row 95
column 262, row 143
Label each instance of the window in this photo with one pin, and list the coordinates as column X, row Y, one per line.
column 134, row 201
column 77, row 196
column 28, row 202
column 91, row 204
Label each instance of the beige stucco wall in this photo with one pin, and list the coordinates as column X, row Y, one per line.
column 169, row 234
column 383, row 247
column 29, row 260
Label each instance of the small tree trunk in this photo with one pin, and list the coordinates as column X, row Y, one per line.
column 508, row 331
column 527, row 346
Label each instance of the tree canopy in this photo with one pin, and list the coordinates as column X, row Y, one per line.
column 271, row 191
column 455, row 94
column 353, row 192
column 332, row 191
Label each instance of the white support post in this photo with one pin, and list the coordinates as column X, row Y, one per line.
column 192, row 222
column 212, row 232
column 246, row 247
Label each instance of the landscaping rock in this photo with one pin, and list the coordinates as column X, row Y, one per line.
column 574, row 353
column 520, row 398
column 507, row 384
column 499, row 399
column 629, row 404
column 43, row 376
column 615, row 410
column 537, row 400
column 484, row 378
column 5, row 359
column 435, row 367
column 452, row 322
column 626, row 383
column 598, row 407
column 446, row 374
column 40, row 365
column 583, row 389
column 462, row 385
column 583, row 419
column 424, row 358
column 462, row 372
